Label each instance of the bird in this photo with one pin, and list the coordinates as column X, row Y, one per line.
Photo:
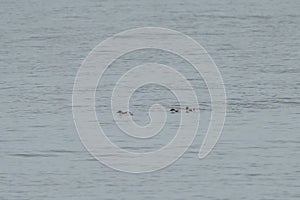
column 174, row 110
column 125, row 112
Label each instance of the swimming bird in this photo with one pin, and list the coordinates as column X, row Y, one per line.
column 174, row 110
column 124, row 113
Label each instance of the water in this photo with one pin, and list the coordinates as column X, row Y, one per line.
column 256, row 47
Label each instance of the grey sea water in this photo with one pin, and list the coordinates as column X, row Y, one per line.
column 255, row 44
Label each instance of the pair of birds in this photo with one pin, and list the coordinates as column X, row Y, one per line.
column 187, row 109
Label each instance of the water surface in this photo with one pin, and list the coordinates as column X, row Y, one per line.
column 256, row 47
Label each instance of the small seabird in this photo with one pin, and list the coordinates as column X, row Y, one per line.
column 174, row 110
column 124, row 113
